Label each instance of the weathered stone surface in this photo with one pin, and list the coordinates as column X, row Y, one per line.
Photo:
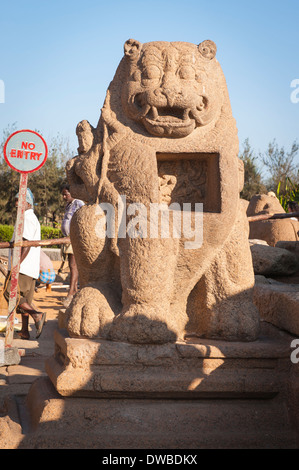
column 9, row 356
column 264, row 204
column 192, row 394
column 272, row 261
column 90, row 367
column 166, row 135
column 259, row 279
column 82, row 423
column 292, row 247
column 278, row 304
column 272, row 231
column 10, row 427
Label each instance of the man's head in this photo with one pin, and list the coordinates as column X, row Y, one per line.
column 65, row 192
column 29, row 199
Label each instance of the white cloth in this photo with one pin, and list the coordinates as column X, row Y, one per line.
column 31, row 264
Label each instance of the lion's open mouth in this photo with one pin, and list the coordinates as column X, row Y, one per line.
column 168, row 115
column 177, row 120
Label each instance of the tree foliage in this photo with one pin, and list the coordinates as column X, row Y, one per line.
column 282, row 172
column 253, row 183
column 281, row 166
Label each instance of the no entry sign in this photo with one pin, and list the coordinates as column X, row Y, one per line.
column 25, row 151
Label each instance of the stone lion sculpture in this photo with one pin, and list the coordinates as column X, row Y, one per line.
column 166, row 135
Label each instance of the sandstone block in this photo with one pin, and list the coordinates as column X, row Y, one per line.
column 279, row 305
column 273, row 261
column 9, row 357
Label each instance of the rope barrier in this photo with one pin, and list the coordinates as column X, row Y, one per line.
column 256, row 218
column 54, row 241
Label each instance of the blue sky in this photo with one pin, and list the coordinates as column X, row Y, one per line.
column 57, row 58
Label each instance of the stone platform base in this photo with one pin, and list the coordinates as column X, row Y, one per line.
column 189, row 395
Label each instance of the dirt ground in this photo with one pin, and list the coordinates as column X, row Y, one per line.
column 47, row 301
column 15, row 380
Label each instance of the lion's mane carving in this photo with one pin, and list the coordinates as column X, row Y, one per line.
column 166, row 134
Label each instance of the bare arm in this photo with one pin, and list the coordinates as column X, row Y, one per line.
column 24, row 252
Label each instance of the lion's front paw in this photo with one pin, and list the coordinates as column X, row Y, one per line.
column 143, row 324
column 89, row 314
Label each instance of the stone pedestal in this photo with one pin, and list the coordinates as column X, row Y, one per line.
column 193, row 394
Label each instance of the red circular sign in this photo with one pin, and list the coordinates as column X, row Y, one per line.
column 25, row 151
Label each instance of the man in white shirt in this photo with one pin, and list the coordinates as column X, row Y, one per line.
column 29, row 271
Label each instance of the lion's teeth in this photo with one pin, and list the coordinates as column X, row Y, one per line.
column 155, row 112
column 145, row 110
column 186, row 114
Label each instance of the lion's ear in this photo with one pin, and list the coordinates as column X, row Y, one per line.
column 132, row 48
column 207, row 49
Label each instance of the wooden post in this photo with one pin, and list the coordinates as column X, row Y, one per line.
column 16, row 257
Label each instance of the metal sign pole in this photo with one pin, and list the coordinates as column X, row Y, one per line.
column 16, row 257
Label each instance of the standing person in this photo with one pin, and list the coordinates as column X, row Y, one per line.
column 29, row 271
column 72, row 205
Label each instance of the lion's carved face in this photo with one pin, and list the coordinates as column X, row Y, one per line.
column 167, row 86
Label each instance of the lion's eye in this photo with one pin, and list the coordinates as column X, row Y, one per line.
column 151, row 73
column 186, row 72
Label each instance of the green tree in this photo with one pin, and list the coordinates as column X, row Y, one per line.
column 253, row 183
